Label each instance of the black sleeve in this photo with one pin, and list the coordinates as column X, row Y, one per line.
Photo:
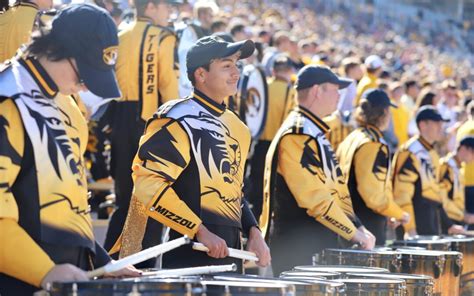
column 248, row 219
column 101, row 257
column 446, row 223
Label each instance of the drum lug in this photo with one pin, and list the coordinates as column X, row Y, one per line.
column 397, row 263
column 316, row 258
column 74, row 289
column 458, row 265
column 371, row 261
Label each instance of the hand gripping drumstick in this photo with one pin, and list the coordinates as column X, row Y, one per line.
column 139, row 257
column 239, row 254
column 191, row 271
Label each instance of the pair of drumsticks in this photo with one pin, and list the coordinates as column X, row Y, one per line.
column 160, row 249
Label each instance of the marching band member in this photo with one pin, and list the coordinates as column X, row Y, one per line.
column 306, row 201
column 365, row 162
column 189, row 169
column 451, row 180
column 44, row 215
column 415, row 186
column 147, row 74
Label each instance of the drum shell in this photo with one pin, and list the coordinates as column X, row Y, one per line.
column 467, row 284
column 166, row 287
column 375, row 287
column 465, row 245
column 416, row 285
column 390, row 260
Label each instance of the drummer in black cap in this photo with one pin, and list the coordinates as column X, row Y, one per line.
column 45, row 225
column 189, row 169
column 415, row 186
column 306, row 202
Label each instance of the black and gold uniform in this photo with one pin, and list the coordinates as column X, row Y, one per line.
column 16, row 25
column 451, row 181
column 281, row 96
column 416, row 189
column 43, row 191
column 365, row 162
column 339, row 128
column 189, row 170
column 306, row 201
column 147, row 76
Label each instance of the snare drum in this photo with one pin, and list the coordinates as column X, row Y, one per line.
column 310, row 274
column 342, row 269
column 168, row 287
column 465, row 245
column 375, row 287
column 306, row 287
column 431, row 263
column 416, row 285
column 390, row 260
column 434, row 243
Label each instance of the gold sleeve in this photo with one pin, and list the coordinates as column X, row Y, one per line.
column 372, row 185
column 300, row 165
column 163, row 154
column 446, row 185
column 404, row 179
column 168, row 70
column 20, row 256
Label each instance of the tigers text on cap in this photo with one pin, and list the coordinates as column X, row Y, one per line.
column 89, row 35
column 310, row 75
column 378, row 97
column 373, row 62
column 429, row 113
column 210, row 48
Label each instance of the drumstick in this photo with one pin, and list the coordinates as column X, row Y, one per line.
column 191, row 271
column 239, row 254
column 139, row 257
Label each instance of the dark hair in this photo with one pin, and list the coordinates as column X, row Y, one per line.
column 217, row 24
column 410, row 83
column 425, row 98
column 43, row 44
column 236, row 29
column 282, row 63
column 366, row 113
column 191, row 72
column 4, row 5
column 140, row 5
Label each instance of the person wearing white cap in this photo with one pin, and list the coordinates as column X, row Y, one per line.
column 374, row 66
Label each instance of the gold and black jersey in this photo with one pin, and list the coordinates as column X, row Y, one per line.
column 281, row 99
column 146, row 68
column 451, row 181
column 189, row 169
column 16, row 25
column 339, row 128
column 415, row 168
column 365, row 163
column 302, row 179
column 43, row 190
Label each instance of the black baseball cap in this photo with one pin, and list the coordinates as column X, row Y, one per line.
column 310, row 75
column 89, row 35
column 210, row 48
column 429, row 113
column 467, row 141
column 378, row 97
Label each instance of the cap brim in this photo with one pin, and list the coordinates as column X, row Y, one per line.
column 102, row 83
column 392, row 104
column 246, row 48
column 343, row 82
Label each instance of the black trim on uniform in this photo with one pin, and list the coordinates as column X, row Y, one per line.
column 425, row 143
column 140, row 71
column 316, row 120
column 40, row 76
column 209, row 104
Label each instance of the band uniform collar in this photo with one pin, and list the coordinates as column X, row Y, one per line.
column 316, row 120
column 40, row 76
column 209, row 104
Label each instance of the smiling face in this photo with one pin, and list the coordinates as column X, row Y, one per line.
column 221, row 79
